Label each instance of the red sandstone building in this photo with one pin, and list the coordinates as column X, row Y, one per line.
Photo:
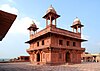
column 54, row 45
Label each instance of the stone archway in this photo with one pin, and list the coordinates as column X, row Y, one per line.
column 67, row 57
column 38, row 57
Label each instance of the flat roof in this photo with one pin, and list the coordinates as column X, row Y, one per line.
column 6, row 20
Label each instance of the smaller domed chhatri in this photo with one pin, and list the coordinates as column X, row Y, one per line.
column 77, row 24
column 51, row 15
column 33, row 27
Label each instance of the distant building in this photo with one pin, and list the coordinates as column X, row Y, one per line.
column 20, row 59
column 6, row 20
column 23, row 58
column 54, row 45
column 87, row 57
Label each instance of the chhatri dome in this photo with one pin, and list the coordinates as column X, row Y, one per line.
column 33, row 25
column 51, row 9
column 76, row 21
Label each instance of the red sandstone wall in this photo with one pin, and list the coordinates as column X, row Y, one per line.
column 31, row 36
column 47, row 42
column 56, row 59
column 55, row 42
column 75, row 57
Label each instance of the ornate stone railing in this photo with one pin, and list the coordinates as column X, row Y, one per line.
column 66, row 32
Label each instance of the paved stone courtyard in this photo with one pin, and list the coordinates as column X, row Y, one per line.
column 29, row 67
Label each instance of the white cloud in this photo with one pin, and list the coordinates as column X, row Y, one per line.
column 8, row 8
column 21, row 25
column 12, row 1
column 98, row 43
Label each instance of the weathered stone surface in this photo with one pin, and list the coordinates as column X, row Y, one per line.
column 31, row 67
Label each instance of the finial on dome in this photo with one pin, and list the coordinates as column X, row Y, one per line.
column 76, row 19
column 33, row 22
column 51, row 5
column 51, row 9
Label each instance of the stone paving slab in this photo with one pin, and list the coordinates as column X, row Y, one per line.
column 30, row 67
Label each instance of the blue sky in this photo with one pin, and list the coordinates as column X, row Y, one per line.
column 88, row 11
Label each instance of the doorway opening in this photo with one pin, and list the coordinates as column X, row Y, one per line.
column 38, row 57
column 67, row 57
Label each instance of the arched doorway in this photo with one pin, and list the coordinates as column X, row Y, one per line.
column 38, row 57
column 67, row 57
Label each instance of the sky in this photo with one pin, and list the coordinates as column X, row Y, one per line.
column 88, row 11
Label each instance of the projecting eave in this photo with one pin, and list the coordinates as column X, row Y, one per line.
column 80, row 25
column 46, row 16
column 28, row 41
column 6, row 20
column 83, row 40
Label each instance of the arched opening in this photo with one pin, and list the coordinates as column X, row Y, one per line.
column 38, row 57
column 67, row 57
